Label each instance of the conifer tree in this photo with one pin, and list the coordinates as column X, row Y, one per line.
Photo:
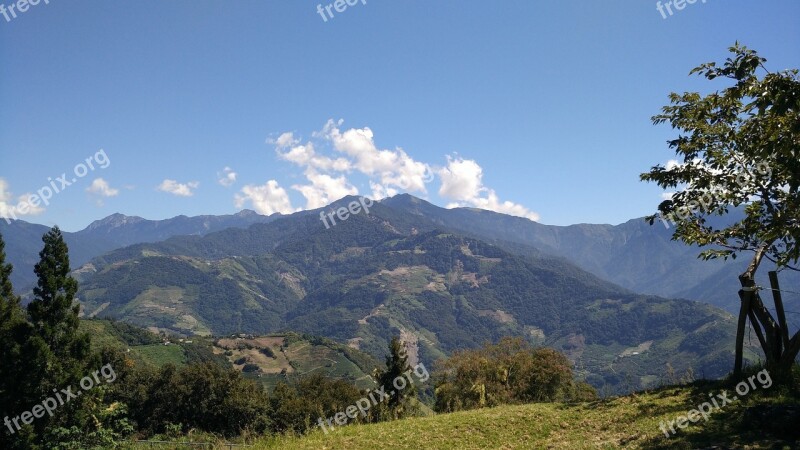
column 55, row 322
column 52, row 312
column 21, row 360
column 397, row 368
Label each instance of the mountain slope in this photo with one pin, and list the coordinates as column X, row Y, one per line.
column 267, row 359
column 389, row 272
column 24, row 240
column 635, row 255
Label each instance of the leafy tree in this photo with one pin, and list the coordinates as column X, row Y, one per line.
column 298, row 408
column 508, row 372
column 400, row 401
column 204, row 396
column 739, row 149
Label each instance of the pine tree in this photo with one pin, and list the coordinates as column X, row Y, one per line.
column 55, row 321
column 11, row 315
column 400, row 401
column 21, row 360
column 52, row 312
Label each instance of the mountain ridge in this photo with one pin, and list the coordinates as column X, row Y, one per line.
column 388, row 273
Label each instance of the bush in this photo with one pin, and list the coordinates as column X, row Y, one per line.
column 206, row 397
column 249, row 368
column 507, row 373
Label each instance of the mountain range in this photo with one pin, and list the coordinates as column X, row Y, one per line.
column 442, row 279
column 634, row 254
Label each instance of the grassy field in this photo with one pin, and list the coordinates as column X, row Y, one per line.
column 624, row 422
column 161, row 355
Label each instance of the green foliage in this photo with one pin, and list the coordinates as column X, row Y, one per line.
column 52, row 311
column 506, row 373
column 401, row 401
column 298, row 408
column 203, row 396
column 44, row 353
column 54, row 316
column 738, row 149
column 131, row 334
column 21, row 360
column 249, row 368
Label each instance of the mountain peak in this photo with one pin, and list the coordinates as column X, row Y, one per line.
column 246, row 213
column 113, row 221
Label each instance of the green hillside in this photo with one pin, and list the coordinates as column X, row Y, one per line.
column 289, row 356
column 762, row 419
column 381, row 275
column 267, row 359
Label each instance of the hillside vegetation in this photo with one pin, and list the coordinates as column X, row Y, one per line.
column 625, row 422
column 266, row 359
column 377, row 276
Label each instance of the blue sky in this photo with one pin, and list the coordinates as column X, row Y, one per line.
column 540, row 109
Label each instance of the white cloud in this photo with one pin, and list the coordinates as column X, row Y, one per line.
column 267, row 199
column 462, row 181
column 27, row 204
column 389, row 172
column 101, row 188
column 227, row 177
column 306, row 156
column 392, row 170
column 284, row 140
column 324, row 189
column 179, row 189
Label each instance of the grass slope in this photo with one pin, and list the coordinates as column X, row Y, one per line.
column 623, row 422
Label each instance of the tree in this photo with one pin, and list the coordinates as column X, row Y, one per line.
column 23, row 361
column 508, row 372
column 202, row 396
column 67, row 354
column 52, row 311
column 12, row 333
column 9, row 303
column 739, row 149
column 397, row 368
